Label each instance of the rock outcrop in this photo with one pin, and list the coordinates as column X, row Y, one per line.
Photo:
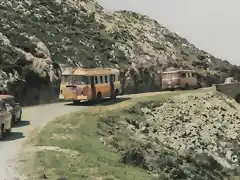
column 38, row 35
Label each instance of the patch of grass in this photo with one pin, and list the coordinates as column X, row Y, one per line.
column 95, row 160
column 79, row 132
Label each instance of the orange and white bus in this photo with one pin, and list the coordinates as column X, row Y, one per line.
column 93, row 84
column 180, row 79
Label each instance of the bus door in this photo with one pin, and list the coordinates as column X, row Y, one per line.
column 111, row 81
column 93, row 88
column 168, row 78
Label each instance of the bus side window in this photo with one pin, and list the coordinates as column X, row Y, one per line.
column 89, row 79
column 96, row 79
column 114, row 77
column 183, row 75
column 101, row 79
column 106, row 79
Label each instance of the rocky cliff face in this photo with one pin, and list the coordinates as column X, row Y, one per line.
column 38, row 35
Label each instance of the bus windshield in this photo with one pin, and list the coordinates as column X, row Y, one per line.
column 66, row 79
column 80, row 79
column 171, row 75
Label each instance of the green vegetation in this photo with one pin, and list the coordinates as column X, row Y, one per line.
column 87, row 157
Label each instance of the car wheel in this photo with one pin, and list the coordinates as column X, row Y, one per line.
column 2, row 132
column 8, row 131
column 13, row 120
column 20, row 118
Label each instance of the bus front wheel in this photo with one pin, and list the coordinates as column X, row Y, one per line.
column 187, row 87
column 116, row 93
column 76, row 102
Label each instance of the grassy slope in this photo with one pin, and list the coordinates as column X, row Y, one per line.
column 82, row 154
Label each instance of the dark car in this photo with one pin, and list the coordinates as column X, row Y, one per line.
column 13, row 107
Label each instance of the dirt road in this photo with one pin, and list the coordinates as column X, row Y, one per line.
column 33, row 117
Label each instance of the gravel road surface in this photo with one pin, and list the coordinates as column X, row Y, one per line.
column 33, row 117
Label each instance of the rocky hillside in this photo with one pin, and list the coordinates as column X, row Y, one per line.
column 36, row 36
column 182, row 138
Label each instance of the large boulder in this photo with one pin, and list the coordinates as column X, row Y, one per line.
column 28, row 71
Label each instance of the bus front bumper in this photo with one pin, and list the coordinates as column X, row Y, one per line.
column 82, row 98
column 73, row 98
column 170, row 87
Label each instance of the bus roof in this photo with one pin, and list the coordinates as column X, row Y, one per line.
column 67, row 71
column 95, row 71
column 178, row 71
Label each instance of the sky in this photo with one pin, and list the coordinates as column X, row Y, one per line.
column 211, row 25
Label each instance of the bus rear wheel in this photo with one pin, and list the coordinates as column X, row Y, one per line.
column 99, row 97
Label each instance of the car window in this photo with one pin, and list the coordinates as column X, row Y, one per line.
column 9, row 101
column 4, row 106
